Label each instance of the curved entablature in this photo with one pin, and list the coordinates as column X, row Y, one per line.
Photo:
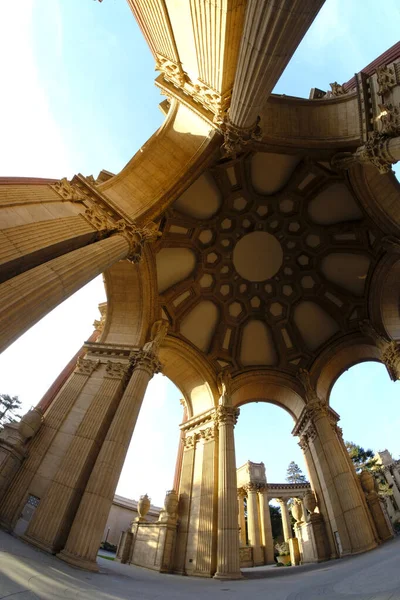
column 190, row 371
column 173, row 157
column 338, row 358
column 268, row 386
column 131, row 301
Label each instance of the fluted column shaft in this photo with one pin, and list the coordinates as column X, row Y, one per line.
column 52, row 519
column 271, row 34
column 179, row 457
column 266, row 527
column 397, row 477
column 346, row 508
column 14, row 499
column 242, row 519
column 287, row 531
column 228, row 562
column 389, row 479
column 88, row 526
column 253, row 524
column 28, row 297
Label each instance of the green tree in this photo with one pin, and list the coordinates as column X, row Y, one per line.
column 9, row 405
column 362, row 459
column 276, row 521
column 294, row 474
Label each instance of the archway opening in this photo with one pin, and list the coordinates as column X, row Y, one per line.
column 367, row 401
column 267, row 452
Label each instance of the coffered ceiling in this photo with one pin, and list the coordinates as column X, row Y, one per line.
column 264, row 260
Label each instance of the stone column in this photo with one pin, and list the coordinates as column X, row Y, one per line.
column 396, row 475
column 266, row 527
column 28, row 297
column 242, row 519
column 287, row 530
column 228, row 561
column 348, row 514
column 88, row 526
column 185, row 498
column 51, row 522
column 253, row 524
column 271, row 34
column 179, row 458
column 59, row 410
column 390, row 480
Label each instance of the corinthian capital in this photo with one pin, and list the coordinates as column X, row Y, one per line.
column 85, row 366
column 226, row 415
column 381, row 150
column 137, row 237
column 146, row 362
column 236, row 138
column 389, row 349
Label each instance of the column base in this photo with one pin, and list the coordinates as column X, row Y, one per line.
column 41, row 545
column 80, row 563
column 228, row 575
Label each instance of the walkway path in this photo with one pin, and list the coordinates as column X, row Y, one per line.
column 28, row 574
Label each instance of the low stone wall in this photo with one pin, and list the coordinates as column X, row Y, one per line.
column 246, row 556
column 149, row 545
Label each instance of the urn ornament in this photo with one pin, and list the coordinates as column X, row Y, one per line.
column 171, row 502
column 309, row 501
column 143, row 506
column 367, row 481
column 297, row 511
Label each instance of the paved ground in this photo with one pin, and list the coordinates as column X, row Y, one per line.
column 28, row 574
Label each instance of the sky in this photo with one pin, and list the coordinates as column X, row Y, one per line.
column 80, row 97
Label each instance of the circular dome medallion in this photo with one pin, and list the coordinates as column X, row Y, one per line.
column 257, row 256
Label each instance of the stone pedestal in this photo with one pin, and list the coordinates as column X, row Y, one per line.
column 375, row 507
column 13, row 450
column 228, row 566
column 294, row 551
column 314, row 545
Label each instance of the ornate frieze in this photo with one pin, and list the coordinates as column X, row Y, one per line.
column 386, row 79
column 104, row 217
column 68, row 191
column 85, row 366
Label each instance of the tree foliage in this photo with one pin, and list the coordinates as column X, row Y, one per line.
column 9, row 406
column 276, row 521
column 294, row 474
column 362, row 459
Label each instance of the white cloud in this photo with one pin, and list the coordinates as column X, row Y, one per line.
column 34, row 145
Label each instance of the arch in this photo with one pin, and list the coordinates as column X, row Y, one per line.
column 131, row 301
column 385, row 295
column 190, row 371
column 268, row 386
column 338, row 358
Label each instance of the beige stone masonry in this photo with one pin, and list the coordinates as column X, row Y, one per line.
column 59, row 410
column 49, row 527
column 85, row 535
column 253, row 522
column 228, row 566
column 41, row 289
